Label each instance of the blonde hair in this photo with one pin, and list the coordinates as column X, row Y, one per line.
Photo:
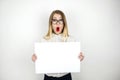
column 65, row 29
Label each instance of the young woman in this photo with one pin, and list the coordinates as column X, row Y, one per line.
column 57, row 32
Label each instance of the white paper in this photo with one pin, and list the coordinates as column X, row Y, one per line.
column 57, row 57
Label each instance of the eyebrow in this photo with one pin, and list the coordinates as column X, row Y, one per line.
column 56, row 19
column 59, row 17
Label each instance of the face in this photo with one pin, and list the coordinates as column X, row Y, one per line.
column 57, row 24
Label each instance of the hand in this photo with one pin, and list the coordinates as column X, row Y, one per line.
column 34, row 57
column 81, row 56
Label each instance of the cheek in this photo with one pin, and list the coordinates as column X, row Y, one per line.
column 53, row 27
column 61, row 28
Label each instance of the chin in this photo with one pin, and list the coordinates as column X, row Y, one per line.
column 57, row 33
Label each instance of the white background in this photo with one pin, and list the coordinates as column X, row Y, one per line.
column 96, row 23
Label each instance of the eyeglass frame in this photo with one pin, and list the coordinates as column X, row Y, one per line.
column 55, row 21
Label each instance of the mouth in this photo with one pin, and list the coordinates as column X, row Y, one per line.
column 57, row 29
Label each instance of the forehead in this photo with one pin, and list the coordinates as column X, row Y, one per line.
column 58, row 16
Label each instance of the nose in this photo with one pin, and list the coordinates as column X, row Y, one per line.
column 57, row 23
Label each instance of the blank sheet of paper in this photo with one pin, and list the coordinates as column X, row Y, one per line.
column 57, row 57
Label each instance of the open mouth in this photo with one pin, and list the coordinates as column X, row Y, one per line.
column 57, row 29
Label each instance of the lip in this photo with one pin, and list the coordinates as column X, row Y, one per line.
column 57, row 29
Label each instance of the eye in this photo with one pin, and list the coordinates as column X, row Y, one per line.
column 54, row 20
column 60, row 19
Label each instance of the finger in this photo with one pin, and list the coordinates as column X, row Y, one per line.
column 81, row 58
column 81, row 53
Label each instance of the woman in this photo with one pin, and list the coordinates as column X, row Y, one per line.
column 58, row 32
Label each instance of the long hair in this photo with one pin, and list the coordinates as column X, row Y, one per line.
column 65, row 29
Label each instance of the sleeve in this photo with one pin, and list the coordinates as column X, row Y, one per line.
column 43, row 40
column 71, row 39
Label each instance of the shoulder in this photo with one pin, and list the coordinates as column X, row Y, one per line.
column 43, row 39
column 71, row 39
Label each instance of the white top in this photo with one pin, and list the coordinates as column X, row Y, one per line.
column 58, row 38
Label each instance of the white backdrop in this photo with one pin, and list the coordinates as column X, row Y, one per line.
column 96, row 23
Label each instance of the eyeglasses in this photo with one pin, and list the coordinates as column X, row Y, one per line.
column 55, row 21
